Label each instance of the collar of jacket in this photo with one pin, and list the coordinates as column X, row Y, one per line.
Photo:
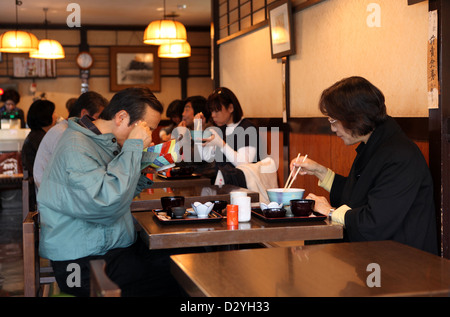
column 106, row 140
column 381, row 133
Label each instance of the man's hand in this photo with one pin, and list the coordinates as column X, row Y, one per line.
column 141, row 131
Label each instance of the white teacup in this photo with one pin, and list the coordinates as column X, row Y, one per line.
column 234, row 195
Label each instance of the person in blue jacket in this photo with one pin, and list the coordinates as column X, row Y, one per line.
column 85, row 196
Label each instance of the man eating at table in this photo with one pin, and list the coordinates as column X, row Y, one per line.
column 85, row 196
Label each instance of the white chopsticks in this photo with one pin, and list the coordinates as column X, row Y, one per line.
column 289, row 182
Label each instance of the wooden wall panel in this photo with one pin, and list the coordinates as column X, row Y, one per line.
column 341, row 156
column 279, row 143
column 317, row 146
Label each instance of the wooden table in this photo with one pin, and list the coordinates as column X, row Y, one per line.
column 339, row 269
column 165, row 236
column 151, row 198
column 161, row 182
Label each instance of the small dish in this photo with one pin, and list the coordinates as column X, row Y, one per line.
column 272, row 204
column 274, row 212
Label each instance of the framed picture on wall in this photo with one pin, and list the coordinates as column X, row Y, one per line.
column 281, row 29
column 132, row 66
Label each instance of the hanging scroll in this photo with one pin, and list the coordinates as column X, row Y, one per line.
column 433, row 78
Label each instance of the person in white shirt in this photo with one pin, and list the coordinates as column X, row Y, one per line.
column 233, row 141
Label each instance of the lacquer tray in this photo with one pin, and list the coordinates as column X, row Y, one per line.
column 187, row 219
column 314, row 217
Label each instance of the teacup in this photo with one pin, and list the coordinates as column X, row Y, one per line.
column 178, row 212
column 202, row 210
column 302, row 207
column 235, row 195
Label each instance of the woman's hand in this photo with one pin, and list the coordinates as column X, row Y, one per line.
column 321, row 204
column 214, row 140
column 309, row 167
column 203, row 120
column 141, row 131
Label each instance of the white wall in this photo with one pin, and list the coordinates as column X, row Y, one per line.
column 333, row 41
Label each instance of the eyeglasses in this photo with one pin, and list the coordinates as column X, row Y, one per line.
column 332, row 121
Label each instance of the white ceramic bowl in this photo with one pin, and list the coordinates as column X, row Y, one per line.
column 284, row 196
column 202, row 210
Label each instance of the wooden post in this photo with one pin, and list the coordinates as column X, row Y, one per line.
column 439, row 133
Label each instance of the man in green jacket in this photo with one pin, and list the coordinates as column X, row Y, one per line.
column 85, row 196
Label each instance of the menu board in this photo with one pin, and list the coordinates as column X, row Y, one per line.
column 34, row 68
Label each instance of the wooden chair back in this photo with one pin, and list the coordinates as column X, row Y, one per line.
column 28, row 195
column 30, row 255
column 37, row 278
column 101, row 284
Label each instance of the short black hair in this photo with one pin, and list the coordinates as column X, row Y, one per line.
column 223, row 97
column 91, row 101
column 175, row 108
column 134, row 101
column 199, row 104
column 356, row 103
column 40, row 114
column 11, row 94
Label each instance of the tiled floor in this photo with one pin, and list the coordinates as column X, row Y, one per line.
column 11, row 264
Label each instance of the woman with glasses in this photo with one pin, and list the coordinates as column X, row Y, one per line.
column 388, row 193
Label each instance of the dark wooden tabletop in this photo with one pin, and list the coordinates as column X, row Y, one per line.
column 165, row 236
column 174, row 182
column 336, row 269
column 151, row 198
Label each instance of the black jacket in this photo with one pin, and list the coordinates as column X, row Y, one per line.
column 390, row 191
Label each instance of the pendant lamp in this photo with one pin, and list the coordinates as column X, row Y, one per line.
column 174, row 50
column 165, row 31
column 48, row 49
column 18, row 41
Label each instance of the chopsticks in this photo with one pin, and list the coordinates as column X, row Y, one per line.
column 295, row 176
column 290, row 174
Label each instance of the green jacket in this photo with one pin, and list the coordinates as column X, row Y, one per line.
column 85, row 195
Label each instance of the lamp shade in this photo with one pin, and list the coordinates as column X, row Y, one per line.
column 18, row 42
column 48, row 49
column 165, row 32
column 178, row 50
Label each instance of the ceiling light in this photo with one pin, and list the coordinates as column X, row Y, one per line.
column 174, row 50
column 48, row 49
column 165, row 31
column 18, row 41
